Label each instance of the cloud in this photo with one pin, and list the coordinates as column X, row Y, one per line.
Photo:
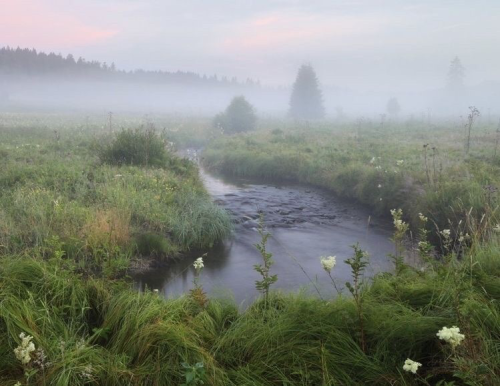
column 273, row 32
column 35, row 24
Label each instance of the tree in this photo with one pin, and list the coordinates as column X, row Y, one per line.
column 456, row 75
column 238, row 117
column 393, row 107
column 306, row 101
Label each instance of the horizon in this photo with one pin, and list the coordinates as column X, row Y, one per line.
column 381, row 45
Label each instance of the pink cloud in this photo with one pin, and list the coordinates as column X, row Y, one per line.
column 277, row 32
column 33, row 24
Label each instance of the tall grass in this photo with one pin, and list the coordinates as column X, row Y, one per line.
column 55, row 186
column 383, row 168
column 121, row 337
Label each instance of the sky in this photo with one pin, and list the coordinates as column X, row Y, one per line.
column 358, row 44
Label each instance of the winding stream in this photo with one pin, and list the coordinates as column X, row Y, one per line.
column 305, row 223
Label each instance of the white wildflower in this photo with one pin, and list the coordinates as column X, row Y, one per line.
column 379, row 186
column 451, row 335
column 378, row 167
column 400, row 162
column 328, row 263
column 198, row 263
column 372, row 161
column 86, row 373
column 422, row 217
column 446, row 233
column 411, row 366
column 496, row 228
column 24, row 350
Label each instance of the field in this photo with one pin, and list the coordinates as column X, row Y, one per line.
column 411, row 165
column 77, row 211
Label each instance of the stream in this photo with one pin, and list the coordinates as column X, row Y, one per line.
column 305, row 223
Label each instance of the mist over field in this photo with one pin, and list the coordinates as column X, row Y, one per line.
column 364, row 53
column 235, row 192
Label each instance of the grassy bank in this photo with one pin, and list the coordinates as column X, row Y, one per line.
column 415, row 167
column 96, row 332
column 63, row 187
column 76, row 204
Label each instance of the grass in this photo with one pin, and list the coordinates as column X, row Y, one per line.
column 65, row 213
column 57, row 187
column 410, row 165
column 122, row 337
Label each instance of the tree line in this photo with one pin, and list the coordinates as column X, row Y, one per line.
column 30, row 62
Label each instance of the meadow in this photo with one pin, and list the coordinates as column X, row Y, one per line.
column 73, row 187
column 76, row 211
column 412, row 165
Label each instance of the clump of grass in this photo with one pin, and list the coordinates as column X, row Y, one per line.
column 135, row 147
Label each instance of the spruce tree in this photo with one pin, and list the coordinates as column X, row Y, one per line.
column 306, row 101
column 456, row 75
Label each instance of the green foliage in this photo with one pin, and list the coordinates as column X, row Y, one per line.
column 363, row 163
column 194, row 374
column 239, row 117
column 152, row 244
column 135, row 147
column 101, row 331
column 100, row 213
column 267, row 279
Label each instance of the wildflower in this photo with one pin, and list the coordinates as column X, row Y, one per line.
column 400, row 162
column 24, row 350
column 380, row 199
column 422, row 217
column 372, row 161
column 446, row 233
column 451, row 335
column 399, row 224
column 379, row 186
column 411, row 366
column 198, row 263
column 328, row 263
column 18, row 383
column 496, row 228
column 87, row 372
column 156, row 290
column 378, row 167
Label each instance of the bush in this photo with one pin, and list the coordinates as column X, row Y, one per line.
column 239, row 117
column 135, row 147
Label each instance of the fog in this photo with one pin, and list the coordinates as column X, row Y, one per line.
column 363, row 52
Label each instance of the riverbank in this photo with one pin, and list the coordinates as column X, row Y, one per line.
column 58, row 190
column 64, row 321
column 305, row 223
column 418, row 169
column 95, row 331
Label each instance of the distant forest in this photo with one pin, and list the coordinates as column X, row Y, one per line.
column 29, row 62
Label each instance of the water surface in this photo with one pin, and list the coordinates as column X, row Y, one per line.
column 305, row 223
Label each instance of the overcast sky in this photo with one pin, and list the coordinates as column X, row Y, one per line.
column 365, row 44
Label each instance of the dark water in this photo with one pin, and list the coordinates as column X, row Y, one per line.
column 305, row 224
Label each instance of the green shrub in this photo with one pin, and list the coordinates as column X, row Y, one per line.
column 135, row 147
column 239, row 117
